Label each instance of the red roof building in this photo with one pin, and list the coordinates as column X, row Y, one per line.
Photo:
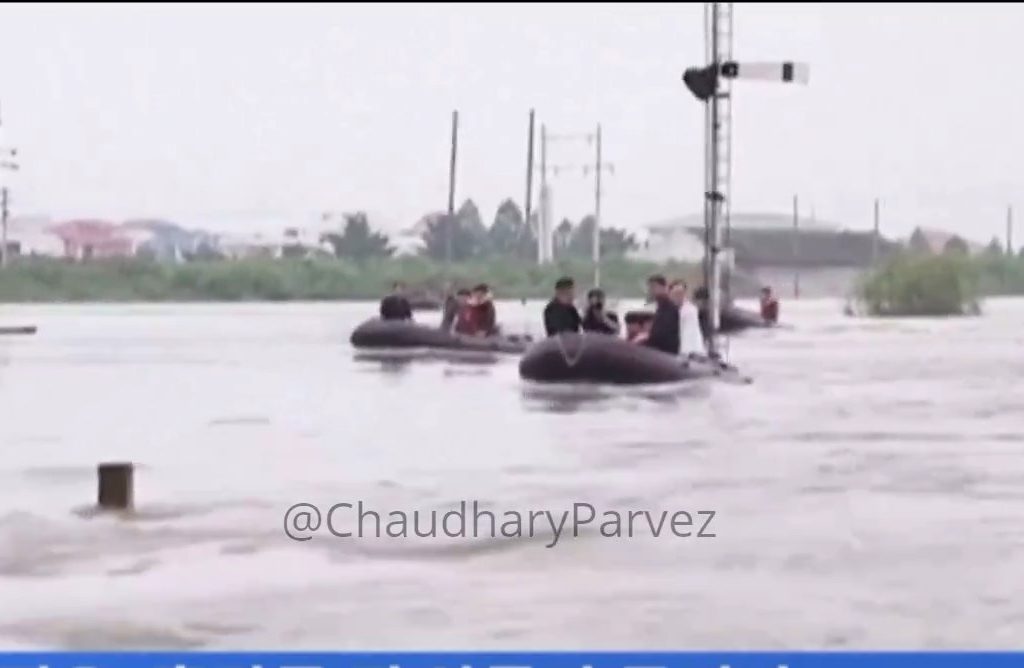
column 93, row 239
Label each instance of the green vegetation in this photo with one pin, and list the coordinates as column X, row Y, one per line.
column 359, row 265
column 918, row 283
column 463, row 237
column 922, row 285
column 297, row 279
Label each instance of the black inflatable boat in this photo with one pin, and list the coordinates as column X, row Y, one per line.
column 736, row 319
column 600, row 358
column 732, row 320
column 24, row 330
column 399, row 334
column 425, row 304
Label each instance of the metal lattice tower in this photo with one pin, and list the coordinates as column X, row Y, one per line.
column 718, row 32
column 712, row 85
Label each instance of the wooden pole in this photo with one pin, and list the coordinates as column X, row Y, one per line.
column 451, row 190
column 528, row 208
column 596, row 250
column 3, row 227
column 116, row 486
column 875, row 237
column 796, row 248
column 1009, row 230
column 542, row 218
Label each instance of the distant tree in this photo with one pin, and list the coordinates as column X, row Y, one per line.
column 562, row 239
column 463, row 235
column 509, row 235
column 205, row 251
column 615, row 242
column 472, row 224
column 918, row 242
column 294, row 250
column 995, row 247
column 357, row 241
column 955, row 246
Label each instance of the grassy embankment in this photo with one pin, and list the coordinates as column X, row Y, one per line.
column 939, row 285
column 301, row 280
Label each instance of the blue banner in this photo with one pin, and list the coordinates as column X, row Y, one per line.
column 511, row 659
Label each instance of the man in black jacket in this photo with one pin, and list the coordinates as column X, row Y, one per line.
column 560, row 315
column 596, row 318
column 395, row 306
column 664, row 332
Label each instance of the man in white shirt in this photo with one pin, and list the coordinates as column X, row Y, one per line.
column 691, row 341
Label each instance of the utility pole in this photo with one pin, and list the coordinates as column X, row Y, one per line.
column 545, row 238
column 1009, row 230
column 596, row 248
column 875, row 236
column 528, row 208
column 543, row 224
column 796, row 247
column 450, row 222
column 8, row 163
column 599, row 167
column 3, row 225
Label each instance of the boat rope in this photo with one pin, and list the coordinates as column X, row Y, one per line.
column 571, row 360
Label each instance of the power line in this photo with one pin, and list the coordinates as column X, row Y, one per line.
column 597, row 168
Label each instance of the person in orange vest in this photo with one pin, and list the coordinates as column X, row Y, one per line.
column 769, row 306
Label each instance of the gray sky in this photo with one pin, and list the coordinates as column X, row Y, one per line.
column 194, row 111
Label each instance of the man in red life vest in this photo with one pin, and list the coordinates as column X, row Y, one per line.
column 477, row 316
column 485, row 318
column 769, row 306
column 462, row 319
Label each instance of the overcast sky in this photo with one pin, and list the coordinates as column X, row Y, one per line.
column 197, row 111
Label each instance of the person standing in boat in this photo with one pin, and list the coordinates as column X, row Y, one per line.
column 396, row 305
column 703, row 303
column 664, row 332
column 769, row 306
column 596, row 319
column 691, row 341
column 485, row 317
column 450, row 308
column 560, row 315
column 456, row 314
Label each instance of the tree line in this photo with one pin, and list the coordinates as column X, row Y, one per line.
column 463, row 236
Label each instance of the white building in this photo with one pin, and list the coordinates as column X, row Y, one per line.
column 682, row 239
column 30, row 235
column 667, row 244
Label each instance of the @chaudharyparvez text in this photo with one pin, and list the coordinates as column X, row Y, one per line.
column 302, row 521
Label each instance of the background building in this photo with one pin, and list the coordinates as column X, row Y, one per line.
column 821, row 256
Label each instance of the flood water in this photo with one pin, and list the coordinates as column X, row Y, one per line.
column 868, row 488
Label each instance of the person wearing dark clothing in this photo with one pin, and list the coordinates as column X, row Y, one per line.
column 664, row 332
column 396, row 306
column 485, row 318
column 560, row 315
column 453, row 305
column 769, row 306
column 637, row 326
column 596, row 319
